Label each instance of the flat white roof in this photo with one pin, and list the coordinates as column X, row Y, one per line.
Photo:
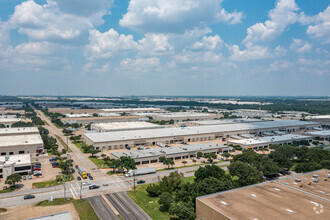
column 8, row 131
column 195, row 130
column 9, row 120
column 184, row 114
column 264, row 140
column 320, row 133
column 17, row 158
column 318, row 117
column 14, row 140
column 131, row 109
column 226, row 121
column 126, row 125
column 136, row 154
column 78, row 115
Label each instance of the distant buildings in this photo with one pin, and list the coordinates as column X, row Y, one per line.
column 124, row 126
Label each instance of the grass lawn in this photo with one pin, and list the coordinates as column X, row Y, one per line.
column 46, row 122
column 49, row 183
column 10, row 189
column 98, row 162
column 3, row 210
column 63, row 143
column 80, row 144
column 148, row 204
column 189, row 179
column 85, row 210
column 57, row 201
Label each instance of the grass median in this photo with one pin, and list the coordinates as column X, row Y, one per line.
column 63, row 143
column 99, row 162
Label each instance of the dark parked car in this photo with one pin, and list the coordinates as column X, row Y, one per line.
column 72, row 170
column 78, row 178
column 76, row 166
column 24, row 177
column 5, row 187
column 91, row 178
column 141, row 181
column 29, row 197
column 94, row 187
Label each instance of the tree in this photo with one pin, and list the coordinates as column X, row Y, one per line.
column 65, row 165
column 246, row 173
column 95, row 115
column 307, row 167
column 199, row 154
column 210, row 156
column 63, row 151
column 94, row 151
column 325, row 164
column 168, row 162
column 183, row 211
column 127, row 162
column 162, row 158
column 226, row 155
column 103, row 155
column 153, row 190
column 184, row 162
column 13, row 179
column 209, row 171
column 171, row 182
column 165, row 201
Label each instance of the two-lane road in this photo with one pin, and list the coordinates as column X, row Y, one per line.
column 102, row 209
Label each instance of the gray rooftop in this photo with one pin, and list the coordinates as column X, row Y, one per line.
column 192, row 148
column 265, row 140
column 227, row 121
column 16, row 131
column 320, row 133
column 14, row 140
column 195, row 130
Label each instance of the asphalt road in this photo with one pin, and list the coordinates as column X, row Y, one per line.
column 126, row 207
column 102, row 209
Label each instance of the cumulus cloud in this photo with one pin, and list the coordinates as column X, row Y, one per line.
column 107, row 44
column 321, row 27
column 155, row 44
column 209, row 43
column 140, row 65
column 255, row 52
column 300, row 46
column 284, row 14
column 175, row 16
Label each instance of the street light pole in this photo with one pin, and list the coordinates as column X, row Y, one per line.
column 134, row 179
column 80, row 190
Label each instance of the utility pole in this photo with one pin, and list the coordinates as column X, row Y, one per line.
column 64, row 188
column 134, row 179
column 80, row 190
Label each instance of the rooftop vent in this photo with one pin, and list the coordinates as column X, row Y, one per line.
column 277, row 189
column 253, row 195
column 289, row 210
column 224, row 203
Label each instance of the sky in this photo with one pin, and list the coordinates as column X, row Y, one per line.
column 165, row 47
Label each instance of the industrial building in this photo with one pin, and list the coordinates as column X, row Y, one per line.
column 21, row 144
column 111, row 110
column 183, row 116
column 18, row 131
column 147, row 156
column 264, row 142
column 322, row 119
column 124, row 126
column 323, row 134
column 88, row 120
column 7, row 122
column 282, row 199
column 221, row 122
column 116, row 140
column 20, row 164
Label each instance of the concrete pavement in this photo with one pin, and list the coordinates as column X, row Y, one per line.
column 101, row 208
column 126, row 207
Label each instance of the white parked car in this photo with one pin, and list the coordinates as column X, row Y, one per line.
column 87, row 183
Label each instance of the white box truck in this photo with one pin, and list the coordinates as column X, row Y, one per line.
column 141, row 171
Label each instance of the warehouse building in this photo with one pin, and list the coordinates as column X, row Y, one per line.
column 88, row 120
column 116, row 140
column 8, row 122
column 131, row 110
column 18, row 131
column 183, row 116
column 221, row 122
column 110, row 110
column 323, row 134
column 20, row 164
column 124, row 126
column 283, row 199
column 264, row 142
column 21, row 144
column 322, row 119
column 147, row 156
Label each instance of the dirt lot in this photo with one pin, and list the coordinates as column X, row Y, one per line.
column 31, row 211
